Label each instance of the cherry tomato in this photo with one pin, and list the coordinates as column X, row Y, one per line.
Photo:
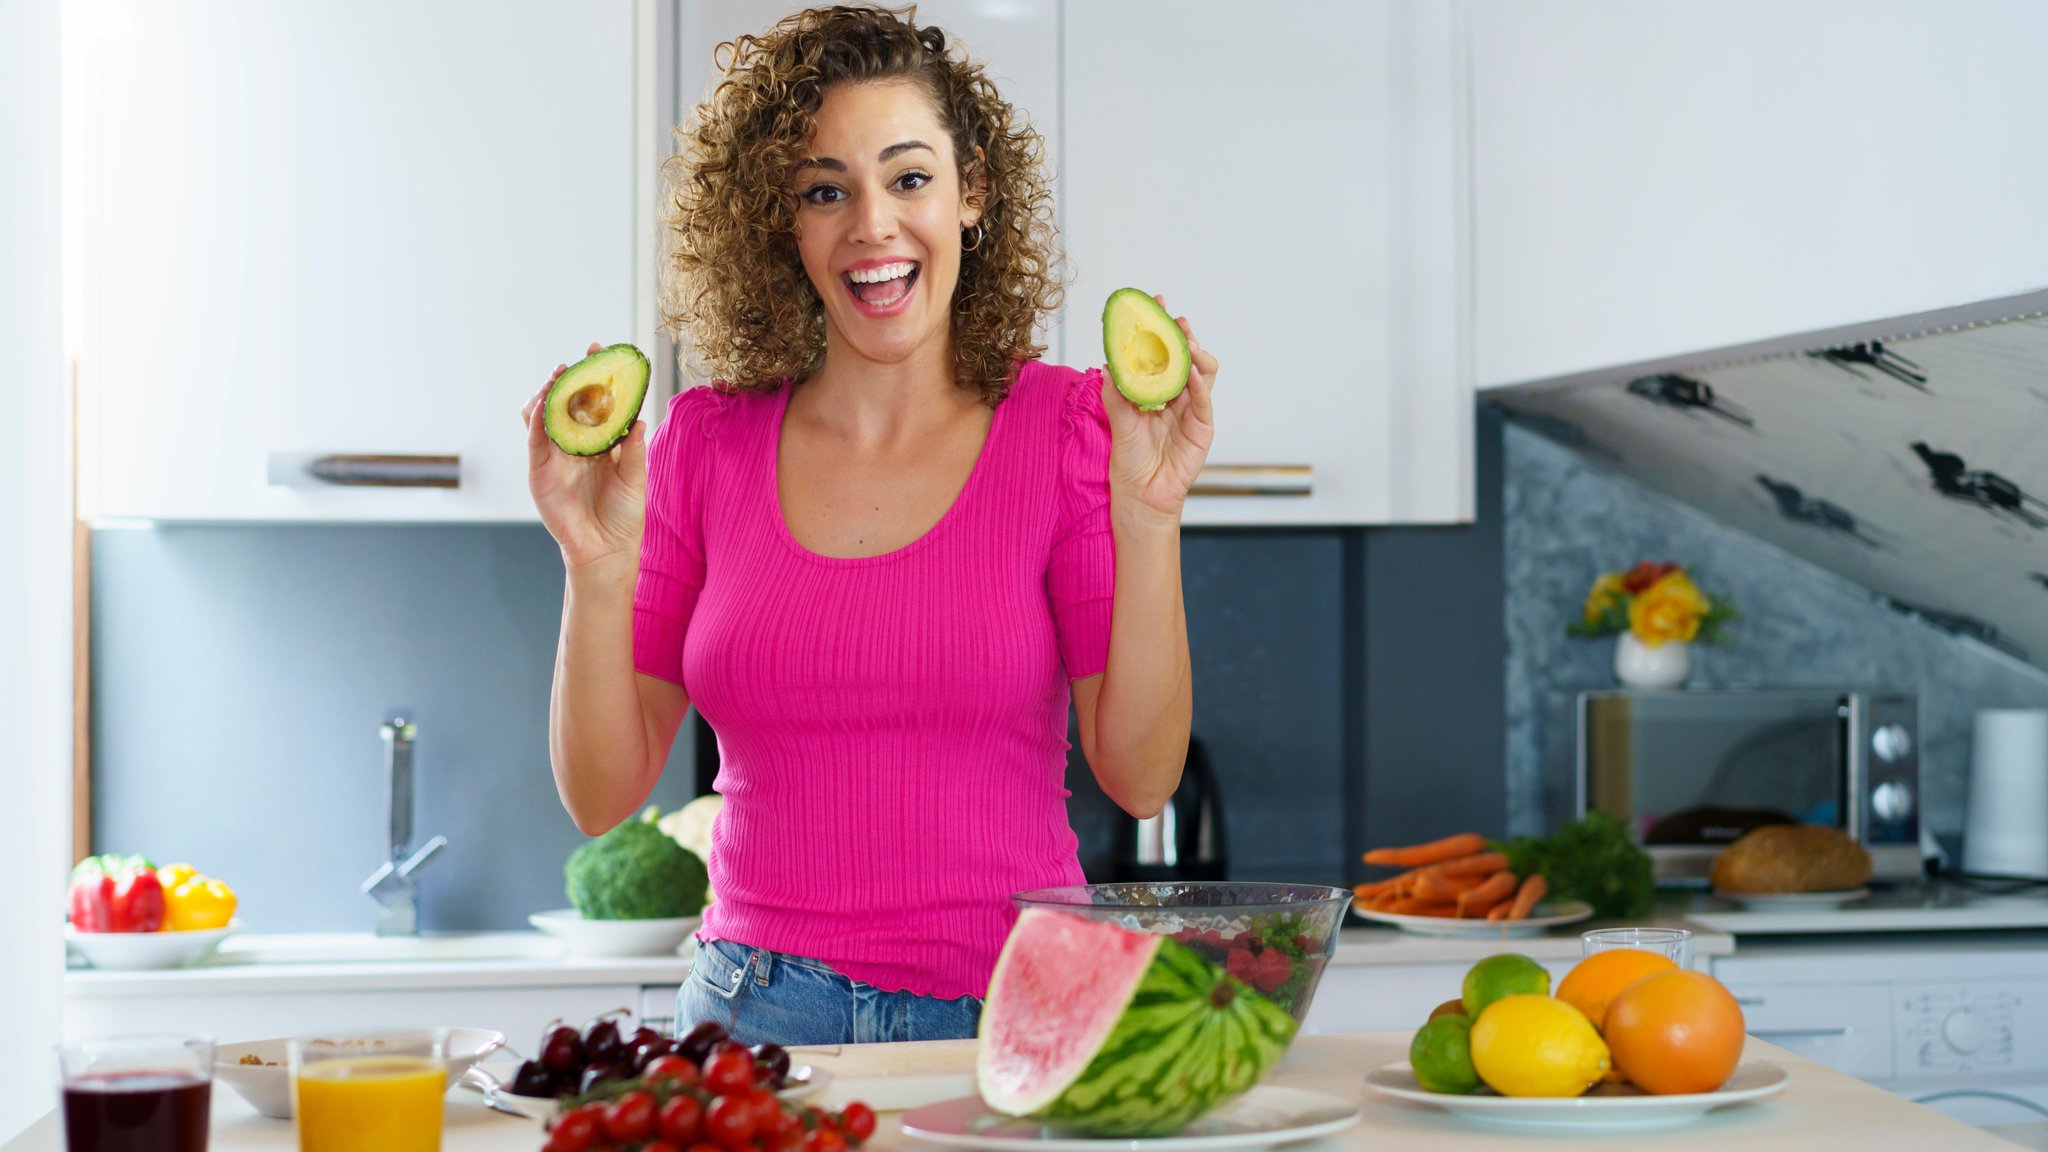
column 681, row 1120
column 767, row 1111
column 824, row 1139
column 630, row 1117
column 729, row 1121
column 729, row 1071
column 675, row 1069
column 700, row 1146
column 659, row 1146
column 859, row 1121
column 574, row 1132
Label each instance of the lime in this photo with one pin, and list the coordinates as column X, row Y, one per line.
column 1537, row 1046
column 1442, row 1056
column 1508, row 974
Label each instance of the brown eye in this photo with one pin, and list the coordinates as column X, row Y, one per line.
column 822, row 194
column 912, row 181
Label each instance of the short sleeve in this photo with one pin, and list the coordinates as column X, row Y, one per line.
column 672, row 542
column 1081, row 579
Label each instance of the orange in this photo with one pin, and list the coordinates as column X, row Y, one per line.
column 1594, row 982
column 1675, row 1032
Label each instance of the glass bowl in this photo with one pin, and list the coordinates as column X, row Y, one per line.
column 1232, row 924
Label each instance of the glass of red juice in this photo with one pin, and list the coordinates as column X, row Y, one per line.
column 137, row 1093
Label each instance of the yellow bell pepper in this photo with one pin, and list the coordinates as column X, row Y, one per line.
column 196, row 902
column 172, row 875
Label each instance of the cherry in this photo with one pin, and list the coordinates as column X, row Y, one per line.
column 531, row 1080
column 597, row 1074
column 771, row 1062
column 601, row 1038
column 697, row 1043
column 562, row 1049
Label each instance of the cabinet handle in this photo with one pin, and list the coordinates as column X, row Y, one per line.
column 1253, row 480
column 1779, row 1033
column 360, row 470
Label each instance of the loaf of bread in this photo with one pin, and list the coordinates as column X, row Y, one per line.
column 1792, row 858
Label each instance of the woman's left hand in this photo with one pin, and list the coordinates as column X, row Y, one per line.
column 1154, row 457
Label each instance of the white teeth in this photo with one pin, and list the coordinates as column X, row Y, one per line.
column 881, row 272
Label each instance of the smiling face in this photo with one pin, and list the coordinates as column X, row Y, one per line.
column 879, row 219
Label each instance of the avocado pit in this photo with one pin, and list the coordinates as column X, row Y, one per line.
column 591, row 406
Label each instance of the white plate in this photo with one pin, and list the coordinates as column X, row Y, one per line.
column 1611, row 1107
column 135, row 951
column 615, row 937
column 1548, row 915
column 1792, row 901
column 1261, row 1118
column 805, row 1081
column 267, row 1086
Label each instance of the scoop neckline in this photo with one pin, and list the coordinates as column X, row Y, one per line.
column 952, row 512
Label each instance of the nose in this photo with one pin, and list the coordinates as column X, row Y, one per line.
column 874, row 220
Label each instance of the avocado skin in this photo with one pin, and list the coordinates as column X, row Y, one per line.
column 577, row 440
column 1142, row 301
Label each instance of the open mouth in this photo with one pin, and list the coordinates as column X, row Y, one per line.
column 884, row 288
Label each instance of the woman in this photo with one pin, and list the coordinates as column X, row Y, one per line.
column 881, row 555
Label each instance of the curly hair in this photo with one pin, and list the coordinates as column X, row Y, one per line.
column 733, row 282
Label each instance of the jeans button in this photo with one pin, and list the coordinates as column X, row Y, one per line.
column 736, row 977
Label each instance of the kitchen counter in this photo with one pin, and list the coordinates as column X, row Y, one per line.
column 356, row 962
column 1387, row 945
column 1819, row 1108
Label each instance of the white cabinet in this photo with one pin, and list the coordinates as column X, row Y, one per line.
column 1290, row 184
column 346, row 228
column 1656, row 178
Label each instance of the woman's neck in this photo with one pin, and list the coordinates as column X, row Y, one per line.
column 875, row 402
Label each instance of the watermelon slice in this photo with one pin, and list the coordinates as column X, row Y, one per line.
column 1104, row 1031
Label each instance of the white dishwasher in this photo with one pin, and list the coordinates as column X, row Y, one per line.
column 1957, row 1021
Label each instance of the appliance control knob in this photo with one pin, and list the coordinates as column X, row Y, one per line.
column 1892, row 801
column 1892, row 743
column 1963, row 1030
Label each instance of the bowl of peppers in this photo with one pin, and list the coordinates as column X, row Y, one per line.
column 127, row 913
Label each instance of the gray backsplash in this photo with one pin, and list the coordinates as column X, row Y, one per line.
column 1569, row 518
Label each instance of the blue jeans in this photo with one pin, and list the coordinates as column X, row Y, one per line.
column 769, row 997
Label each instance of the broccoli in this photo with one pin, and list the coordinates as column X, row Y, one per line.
column 635, row 872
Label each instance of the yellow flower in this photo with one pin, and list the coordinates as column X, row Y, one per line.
column 1607, row 593
column 1670, row 609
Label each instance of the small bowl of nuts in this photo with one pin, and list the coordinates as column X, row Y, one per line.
column 256, row 1069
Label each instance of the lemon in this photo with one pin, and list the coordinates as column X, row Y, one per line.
column 1537, row 1046
column 1441, row 1055
column 1507, row 974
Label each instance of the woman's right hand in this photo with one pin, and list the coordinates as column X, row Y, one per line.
column 594, row 506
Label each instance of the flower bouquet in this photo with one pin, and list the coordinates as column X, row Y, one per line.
column 1657, row 611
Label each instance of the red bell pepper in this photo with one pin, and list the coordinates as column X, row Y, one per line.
column 116, row 894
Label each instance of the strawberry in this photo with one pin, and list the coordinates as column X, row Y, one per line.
column 1270, row 970
column 1240, row 964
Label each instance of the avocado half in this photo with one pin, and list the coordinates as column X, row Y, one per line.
column 593, row 403
column 1147, row 351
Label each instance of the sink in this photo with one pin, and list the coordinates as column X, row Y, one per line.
column 363, row 947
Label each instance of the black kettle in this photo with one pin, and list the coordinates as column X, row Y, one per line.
column 1185, row 841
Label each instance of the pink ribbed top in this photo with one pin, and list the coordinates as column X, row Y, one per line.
column 891, row 729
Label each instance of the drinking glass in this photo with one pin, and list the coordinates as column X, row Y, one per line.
column 377, row 1090
column 137, row 1093
column 1674, row 944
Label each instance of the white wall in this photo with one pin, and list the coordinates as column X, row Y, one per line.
column 35, row 566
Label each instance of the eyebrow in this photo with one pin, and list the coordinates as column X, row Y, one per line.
column 887, row 154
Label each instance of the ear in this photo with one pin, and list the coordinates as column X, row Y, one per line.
column 974, row 190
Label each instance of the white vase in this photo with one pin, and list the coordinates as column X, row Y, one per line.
column 1637, row 665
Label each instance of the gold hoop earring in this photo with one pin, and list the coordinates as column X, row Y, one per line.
column 966, row 247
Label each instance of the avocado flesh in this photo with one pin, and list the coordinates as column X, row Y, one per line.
column 1146, row 350
column 593, row 403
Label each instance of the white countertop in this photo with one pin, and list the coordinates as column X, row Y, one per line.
column 349, row 962
column 1819, row 1108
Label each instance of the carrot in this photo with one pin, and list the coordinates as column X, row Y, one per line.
column 1499, row 911
column 1448, row 848
column 1477, row 864
column 1491, row 891
column 1416, row 906
column 1531, row 891
column 1438, row 886
column 1390, row 884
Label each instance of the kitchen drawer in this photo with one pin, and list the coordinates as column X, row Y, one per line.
column 1846, row 1027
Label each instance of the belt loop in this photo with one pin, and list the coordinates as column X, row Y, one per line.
column 764, row 966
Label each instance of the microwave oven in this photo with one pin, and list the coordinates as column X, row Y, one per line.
column 1690, row 772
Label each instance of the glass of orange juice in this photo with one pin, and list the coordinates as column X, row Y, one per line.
column 377, row 1090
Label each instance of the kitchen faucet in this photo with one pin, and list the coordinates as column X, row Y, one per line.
column 391, row 885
